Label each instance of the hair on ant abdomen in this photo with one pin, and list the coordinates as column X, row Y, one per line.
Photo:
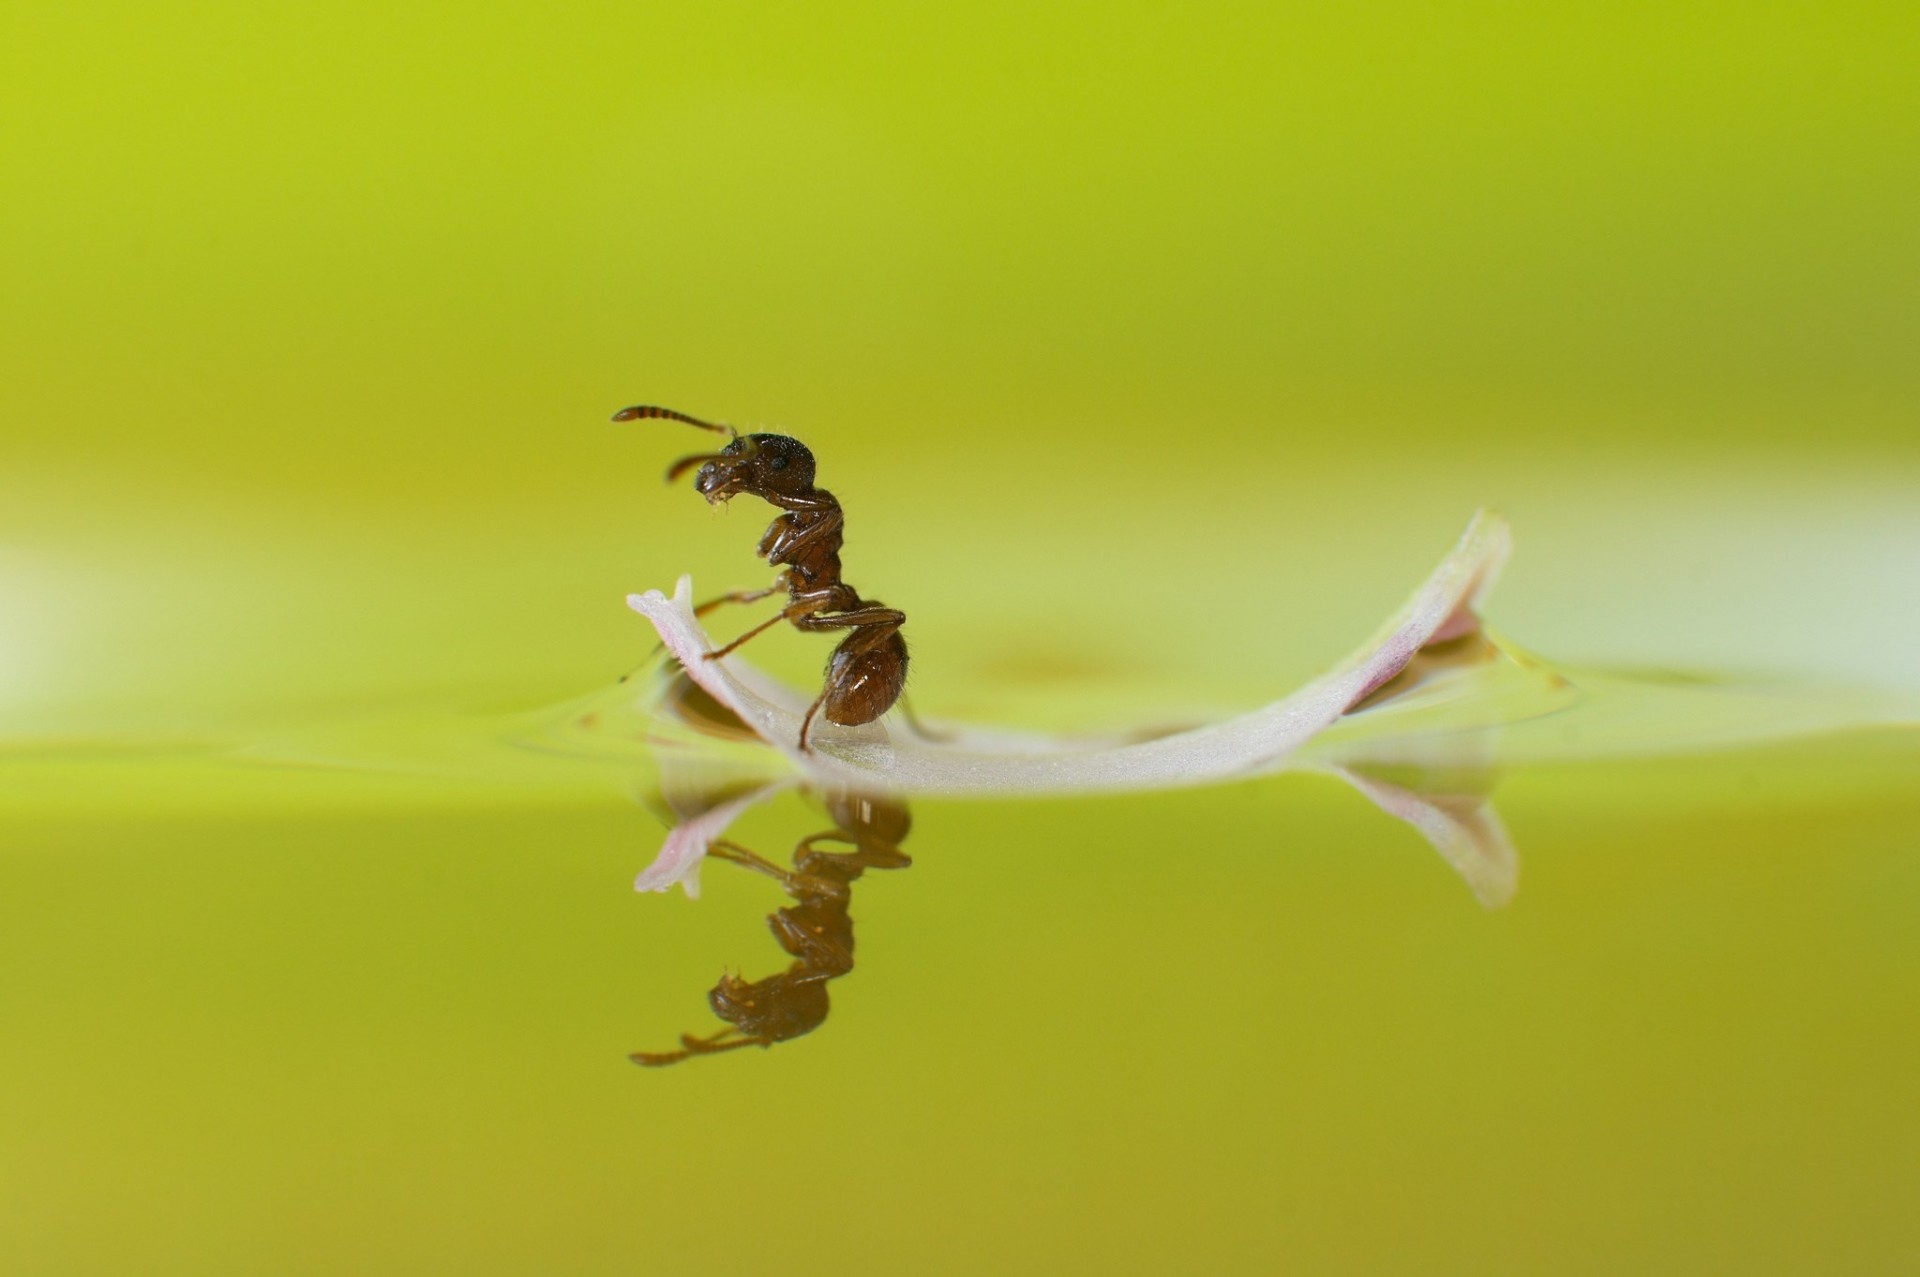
column 868, row 669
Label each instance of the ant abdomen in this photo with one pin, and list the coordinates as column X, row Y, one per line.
column 863, row 684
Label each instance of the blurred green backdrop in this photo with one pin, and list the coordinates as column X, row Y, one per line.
column 1156, row 351
column 312, row 321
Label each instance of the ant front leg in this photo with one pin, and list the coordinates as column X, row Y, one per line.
column 788, row 536
column 741, row 596
column 734, row 596
column 789, row 613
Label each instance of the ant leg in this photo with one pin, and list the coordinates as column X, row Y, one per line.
column 794, row 612
column 724, row 849
column 920, row 729
column 715, row 604
column 867, row 855
column 871, row 853
column 806, row 724
column 761, row 628
column 782, row 543
column 739, row 596
column 884, row 619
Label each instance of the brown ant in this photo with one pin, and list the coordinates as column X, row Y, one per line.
column 867, row 671
column 815, row 929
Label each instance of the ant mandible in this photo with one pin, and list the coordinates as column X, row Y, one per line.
column 867, row 671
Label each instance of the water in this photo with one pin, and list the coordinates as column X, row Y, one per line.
column 373, row 1009
column 302, row 974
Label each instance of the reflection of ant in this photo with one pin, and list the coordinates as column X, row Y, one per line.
column 815, row 929
column 868, row 669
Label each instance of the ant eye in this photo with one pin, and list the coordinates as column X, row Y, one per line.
column 777, row 463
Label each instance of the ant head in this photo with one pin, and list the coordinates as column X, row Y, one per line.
column 770, row 466
column 776, row 1008
column 761, row 465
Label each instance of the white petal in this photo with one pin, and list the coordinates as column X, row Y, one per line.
column 687, row 843
column 1464, row 829
column 1012, row 763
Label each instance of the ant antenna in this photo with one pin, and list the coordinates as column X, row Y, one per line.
column 691, row 1046
column 650, row 412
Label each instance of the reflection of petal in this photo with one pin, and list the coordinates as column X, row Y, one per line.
column 1251, row 744
column 687, row 843
column 1463, row 828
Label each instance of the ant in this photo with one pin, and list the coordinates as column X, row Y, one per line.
column 815, row 929
column 867, row 671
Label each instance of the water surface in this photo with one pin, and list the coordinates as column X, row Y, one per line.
column 373, row 1015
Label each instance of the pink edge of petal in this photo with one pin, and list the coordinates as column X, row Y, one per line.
column 687, row 843
column 1469, row 836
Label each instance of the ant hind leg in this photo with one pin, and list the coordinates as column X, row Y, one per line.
column 806, row 724
column 920, row 729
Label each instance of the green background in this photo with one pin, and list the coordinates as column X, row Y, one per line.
column 312, row 323
column 1155, row 351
